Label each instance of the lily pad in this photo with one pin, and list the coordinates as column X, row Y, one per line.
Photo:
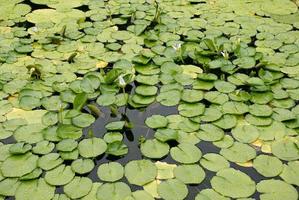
column 172, row 189
column 154, row 149
column 78, row 187
column 189, row 174
column 19, row 165
column 60, row 175
column 185, row 153
column 276, row 189
column 113, row 191
column 226, row 179
column 140, row 172
column 93, row 147
column 110, row 172
column 35, row 189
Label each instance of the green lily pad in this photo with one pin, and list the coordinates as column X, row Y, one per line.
column 285, row 149
column 238, row 152
column 156, row 121
column 210, row 132
column 185, row 153
column 210, row 194
column 140, row 194
column 49, row 161
column 67, row 145
column 106, row 99
column 19, row 165
column 169, row 98
column 35, row 189
column 192, row 96
column 78, row 187
column 145, row 90
column 82, row 166
column 245, row 133
column 67, row 131
column 214, row 162
column 290, row 173
column 224, row 87
column 113, row 191
column 172, row 189
column 83, row 120
column 189, row 174
column 115, row 126
column 276, row 189
column 154, row 149
column 268, row 166
column 140, row 172
column 9, row 186
column 110, row 172
column 60, row 175
column 43, row 147
column 226, row 179
column 91, row 148
column 191, row 109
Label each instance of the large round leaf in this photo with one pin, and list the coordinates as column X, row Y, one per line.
column 185, row 153
column 226, row 179
column 110, row 172
column 35, row 190
column 189, row 174
column 140, row 172
column 19, row 165
column 276, row 189
column 172, row 189
column 154, row 148
column 113, row 191
column 60, row 175
column 93, row 147
column 78, row 187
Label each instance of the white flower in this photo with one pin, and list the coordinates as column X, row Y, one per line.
column 177, row 46
column 121, row 81
column 224, row 54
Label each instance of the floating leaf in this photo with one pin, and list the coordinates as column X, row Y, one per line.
column 78, row 187
column 172, row 189
column 113, row 191
column 91, row 148
column 110, row 172
column 226, row 179
column 60, row 175
column 276, row 189
column 140, row 172
column 189, row 174
column 185, row 153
